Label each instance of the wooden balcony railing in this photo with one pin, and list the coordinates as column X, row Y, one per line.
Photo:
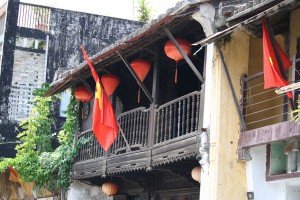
column 174, row 119
column 178, row 117
column 134, row 125
column 90, row 150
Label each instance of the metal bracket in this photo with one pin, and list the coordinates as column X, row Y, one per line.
column 244, row 154
column 186, row 58
column 140, row 83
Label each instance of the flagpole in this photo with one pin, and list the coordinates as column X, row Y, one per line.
column 275, row 47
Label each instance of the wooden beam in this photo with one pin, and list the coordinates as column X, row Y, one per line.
column 186, row 58
column 85, row 84
column 123, row 135
column 138, row 80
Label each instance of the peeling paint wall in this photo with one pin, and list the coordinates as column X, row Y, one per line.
column 227, row 175
column 8, row 58
column 69, row 29
column 28, row 61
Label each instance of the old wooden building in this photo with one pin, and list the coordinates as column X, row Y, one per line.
column 159, row 139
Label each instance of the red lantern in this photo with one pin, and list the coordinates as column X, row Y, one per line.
column 110, row 82
column 110, row 188
column 141, row 68
column 196, row 173
column 173, row 53
column 82, row 94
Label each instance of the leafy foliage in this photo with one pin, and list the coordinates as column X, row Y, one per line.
column 296, row 114
column 35, row 160
column 144, row 11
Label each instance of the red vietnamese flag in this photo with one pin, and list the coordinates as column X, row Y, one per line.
column 272, row 74
column 105, row 126
column 13, row 171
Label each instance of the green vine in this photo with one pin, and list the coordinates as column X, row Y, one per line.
column 35, row 160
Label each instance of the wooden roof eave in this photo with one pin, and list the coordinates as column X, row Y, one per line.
column 126, row 46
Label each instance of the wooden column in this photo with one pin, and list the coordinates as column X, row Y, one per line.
column 152, row 117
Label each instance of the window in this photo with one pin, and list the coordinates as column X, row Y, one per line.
column 64, row 102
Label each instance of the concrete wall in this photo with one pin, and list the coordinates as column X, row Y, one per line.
column 8, row 58
column 69, row 29
column 80, row 191
column 24, row 67
column 227, row 175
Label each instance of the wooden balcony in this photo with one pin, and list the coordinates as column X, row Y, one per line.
column 152, row 137
column 268, row 116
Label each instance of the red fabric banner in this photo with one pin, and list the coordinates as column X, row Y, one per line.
column 272, row 74
column 105, row 126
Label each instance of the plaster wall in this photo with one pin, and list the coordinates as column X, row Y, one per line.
column 80, row 191
column 256, row 178
column 207, row 117
column 286, row 189
column 88, row 122
column 227, row 175
column 292, row 192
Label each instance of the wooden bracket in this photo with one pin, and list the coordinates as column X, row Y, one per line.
column 140, row 83
column 186, row 58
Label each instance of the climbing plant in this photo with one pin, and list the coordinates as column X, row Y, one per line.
column 35, row 160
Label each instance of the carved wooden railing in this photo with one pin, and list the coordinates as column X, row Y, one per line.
column 91, row 149
column 173, row 119
column 177, row 117
column 135, row 125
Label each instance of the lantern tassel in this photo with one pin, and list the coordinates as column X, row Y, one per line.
column 139, row 95
column 176, row 74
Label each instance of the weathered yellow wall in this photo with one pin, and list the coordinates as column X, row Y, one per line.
column 227, row 174
column 294, row 30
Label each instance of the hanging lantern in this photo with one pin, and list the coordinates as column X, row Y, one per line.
column 110, row 82
column 196, row 173
column 173, row 53
column 110, row 188
column 82, row 94
column 141, row 68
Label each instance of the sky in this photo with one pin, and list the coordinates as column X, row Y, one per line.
column 113, row 8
